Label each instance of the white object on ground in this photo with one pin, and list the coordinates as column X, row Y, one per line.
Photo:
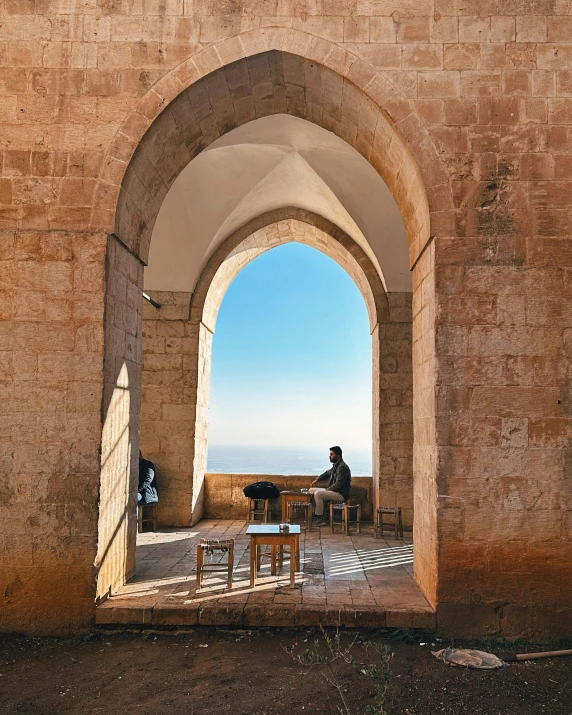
column 468, row 658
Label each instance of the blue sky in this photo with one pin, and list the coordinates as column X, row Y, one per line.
column 292, row 355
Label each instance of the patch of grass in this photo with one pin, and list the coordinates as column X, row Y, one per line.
column 402, row 635
column 376, row 667
column 380, row 672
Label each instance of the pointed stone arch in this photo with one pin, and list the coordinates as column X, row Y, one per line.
column 274, row 71
column 326, row 84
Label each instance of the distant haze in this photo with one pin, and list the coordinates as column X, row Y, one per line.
column 292, row 357
column 257, row 459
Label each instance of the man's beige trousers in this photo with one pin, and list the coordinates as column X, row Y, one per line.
column 322, row 495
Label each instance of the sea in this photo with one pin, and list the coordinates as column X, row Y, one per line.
column 260, row 459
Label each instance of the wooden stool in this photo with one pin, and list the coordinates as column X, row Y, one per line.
column 212, row 546
column 328, row 511
column 345, row 508
column 147, row 514
column 291, row 495
column 305, row 507
column 259, row 508
column 395, row 512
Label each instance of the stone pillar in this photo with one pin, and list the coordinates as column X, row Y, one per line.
column 121, row 412
column 504, row 431
column 425, row 442
column 395, row 407
column 169, row 402
column 70, row 305
column 202, row 420
column 51, row 384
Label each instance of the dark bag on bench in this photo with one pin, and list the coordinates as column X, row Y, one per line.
column 261, row 490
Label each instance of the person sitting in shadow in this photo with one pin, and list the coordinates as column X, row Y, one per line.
column 339, row 478
column 147, row 492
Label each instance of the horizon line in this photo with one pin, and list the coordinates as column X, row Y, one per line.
column 283, row 446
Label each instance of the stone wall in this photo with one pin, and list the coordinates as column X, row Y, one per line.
column 470, row 101
column 504, row 430
column 70, row 338
column 224, row 498
column 51, row 382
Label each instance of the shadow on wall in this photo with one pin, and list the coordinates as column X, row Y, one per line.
column 117, row 535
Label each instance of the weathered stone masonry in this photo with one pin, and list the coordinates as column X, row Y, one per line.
column 470, row 101
column 71, row 338
column 51, row 380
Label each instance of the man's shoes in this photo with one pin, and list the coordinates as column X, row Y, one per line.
column 318, row 521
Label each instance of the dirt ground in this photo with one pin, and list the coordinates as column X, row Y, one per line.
column 203, row 672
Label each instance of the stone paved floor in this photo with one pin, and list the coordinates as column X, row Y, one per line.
column 349, row 581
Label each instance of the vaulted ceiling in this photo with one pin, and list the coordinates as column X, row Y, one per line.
column 271, row 163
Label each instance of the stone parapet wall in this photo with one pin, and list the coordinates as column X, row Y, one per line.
column 224, row 498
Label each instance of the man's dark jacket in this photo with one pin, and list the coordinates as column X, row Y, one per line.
column 340, row 478
column 147, row 482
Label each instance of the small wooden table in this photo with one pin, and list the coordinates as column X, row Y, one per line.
column 270, row 535
column 289, row 496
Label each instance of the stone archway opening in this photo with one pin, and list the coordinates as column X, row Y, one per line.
column 274, row 166
column 326, row 562
column 263, row 85
column 390, row 329
column 301, row 230
column 267, row 415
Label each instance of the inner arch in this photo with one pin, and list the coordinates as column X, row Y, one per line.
column 238, row 250
column 280, row 233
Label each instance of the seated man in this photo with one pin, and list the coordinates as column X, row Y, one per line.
column 147, row 490
column 339, row 477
